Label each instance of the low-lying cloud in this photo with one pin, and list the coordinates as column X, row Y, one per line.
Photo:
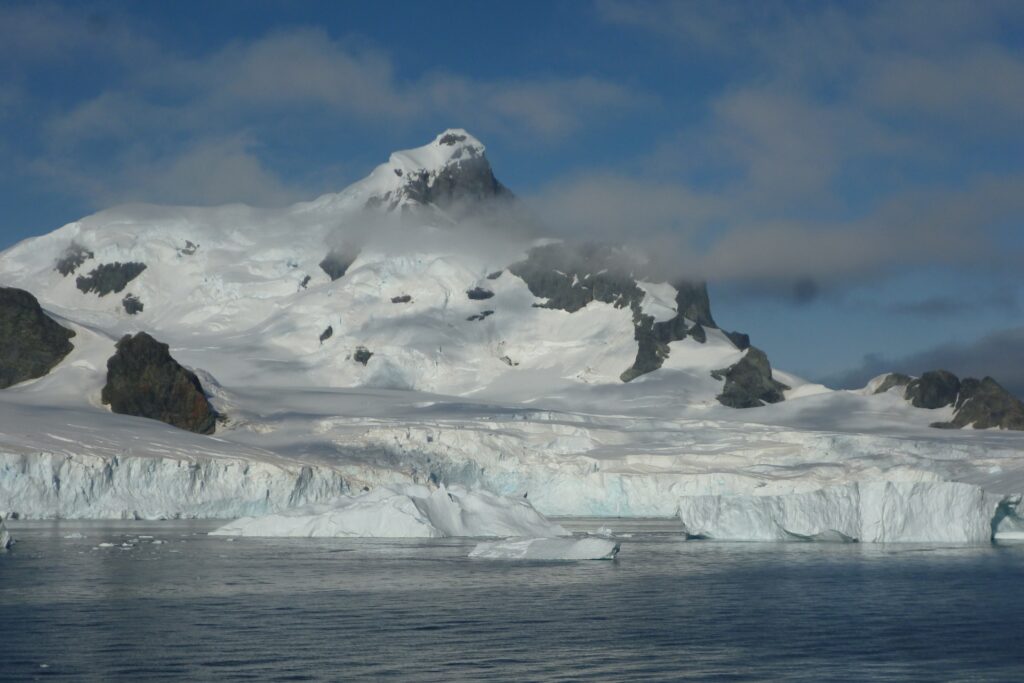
column 999, row 355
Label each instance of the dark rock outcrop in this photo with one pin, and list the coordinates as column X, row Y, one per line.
column 495, row 275
column 31, row 343
column 740, row 340
column 326, row 334
column 305, row 281
column 109, row 277
column 74, row 256
column 145, row 381
column 893, row 379
column 337, row 263
column 653, row 338
column 132, row 304
column 362, row 355
column 189, row 249
column 480, row 316
column 569, row 278
column 403, row 299
column 479, row 293
column 933, row 389
column 984, row 404
column 693, row 303
column 749, row 383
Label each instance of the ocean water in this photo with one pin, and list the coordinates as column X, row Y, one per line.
column 201, row 608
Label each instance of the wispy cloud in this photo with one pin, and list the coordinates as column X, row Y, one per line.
column 161, row 112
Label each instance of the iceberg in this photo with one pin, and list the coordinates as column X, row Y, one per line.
column 870, row 512
column 566, row 549
column 410, row 511
column 5, row 537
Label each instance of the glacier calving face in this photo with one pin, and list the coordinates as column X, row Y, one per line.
column 872, row 512
column 5, row 537
column 404, row 512
column 40, row 485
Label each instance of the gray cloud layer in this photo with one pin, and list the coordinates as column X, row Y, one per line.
column 999, row 355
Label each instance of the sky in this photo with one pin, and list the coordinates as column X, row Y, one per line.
column 848, row 177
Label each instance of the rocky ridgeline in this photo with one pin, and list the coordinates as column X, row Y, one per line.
column 31, row 343
column 982, row 404
column 145, row 381
column 568, row 278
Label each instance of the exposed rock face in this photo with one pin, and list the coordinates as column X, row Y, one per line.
column 479, row 316
column 571, row 278
column 144, row 380
column 933, row 390
column 465, row 182
column 74, row 256
column 693, row 303
column 985, row 404
column 739, row 339
column 403, row 299
column 109, row 277
column 326, row 334
column 189, row 249
column 362, row 355
column 31, row 343
column 893, row 379
column 336, row 264
column 479, row 293
column 132, row 304
column 653, row 338
column 749, row 383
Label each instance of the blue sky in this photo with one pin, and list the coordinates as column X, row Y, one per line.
column 848, row 176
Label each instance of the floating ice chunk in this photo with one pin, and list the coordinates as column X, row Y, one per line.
column 404, row 512
column 1008, row 525
column 5, row 537
column 603, row 531
column 872, row 512
column 589, row 548
column 74, row 535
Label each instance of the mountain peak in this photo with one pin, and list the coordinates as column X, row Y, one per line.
column 448, row 174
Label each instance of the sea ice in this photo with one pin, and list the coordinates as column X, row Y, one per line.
column 410, row 511
column 589, row 548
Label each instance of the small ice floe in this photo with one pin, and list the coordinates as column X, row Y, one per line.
column 157, row 541
column 105, row 545
column 590, row 548
column 5, row 537
column 74, row 535
column 603, row 532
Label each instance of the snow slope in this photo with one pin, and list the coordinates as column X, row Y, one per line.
column 523, row 400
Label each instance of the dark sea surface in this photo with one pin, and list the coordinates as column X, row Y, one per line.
column 201, row 608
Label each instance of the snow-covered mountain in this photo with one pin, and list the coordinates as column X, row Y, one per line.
column 417, row 327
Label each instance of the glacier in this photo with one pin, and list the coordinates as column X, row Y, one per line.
column 525, row 402
column 410, row 511
column 871, row 512
column 5, row 537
